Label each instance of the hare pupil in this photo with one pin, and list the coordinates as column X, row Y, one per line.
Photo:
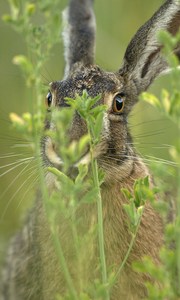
column 119, row 103
column 49, row 99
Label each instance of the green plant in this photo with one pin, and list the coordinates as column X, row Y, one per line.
column 168, row 273
column 40, row 40
column 83, row 186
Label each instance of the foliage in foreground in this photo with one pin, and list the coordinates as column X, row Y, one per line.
column 30, row 126
column 168, row 273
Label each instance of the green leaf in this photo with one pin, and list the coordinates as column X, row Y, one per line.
column 83, row 143
column 166, row 39
column 130, row 210
column 137, row 193
column 165, row 100
column 98, row 110
column 175, row 105
column 126, row 193
column 83, row 170
column 30, row 9
column 98, row 125
column 90, row 196
column 90, row 102
column 24, row 63
column 146, row 181
column 84, row 296
column 61, row 176
column 151, row 99
column 101, row 176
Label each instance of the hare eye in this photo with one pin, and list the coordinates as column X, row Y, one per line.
column 49, row 99
column 118, row 103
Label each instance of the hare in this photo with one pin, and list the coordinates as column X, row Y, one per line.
column 32, row 270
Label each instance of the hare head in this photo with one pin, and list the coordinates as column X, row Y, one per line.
column 119, row 91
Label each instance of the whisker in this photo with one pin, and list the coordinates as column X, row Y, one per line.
column 23, row 171
column 14, row 167
column 109, row 169
column 21, row 145
column 161, row 147
column 119, row 157
column 49, row 75
column 145, row 122
column 16, row 162
column 165, row 146
column 150, row 134
column 9, row 155
column 165, row 161
column 46, row 83
column 13, row 196
column 28, row 189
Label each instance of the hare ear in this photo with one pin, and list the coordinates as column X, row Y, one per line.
column 79, row 33
column 143, row 61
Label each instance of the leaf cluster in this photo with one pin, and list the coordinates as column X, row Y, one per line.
column 167, row 273
column 39, row 23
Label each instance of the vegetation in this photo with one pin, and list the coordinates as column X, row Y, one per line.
column 168, row 274
column 40, row 40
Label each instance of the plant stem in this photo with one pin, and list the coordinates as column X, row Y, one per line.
column 100, row 227
column 77, row 251
column 56, row 239
column 54, row 233
column 100, row 214
column 127, row 253
column 178, row 230
column 63, row 264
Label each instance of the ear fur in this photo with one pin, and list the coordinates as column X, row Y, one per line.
column 143, row 61
column 79, row 33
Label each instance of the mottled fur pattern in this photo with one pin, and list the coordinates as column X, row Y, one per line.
column 32, row 269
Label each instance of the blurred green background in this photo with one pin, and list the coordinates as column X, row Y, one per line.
column 117, row 21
